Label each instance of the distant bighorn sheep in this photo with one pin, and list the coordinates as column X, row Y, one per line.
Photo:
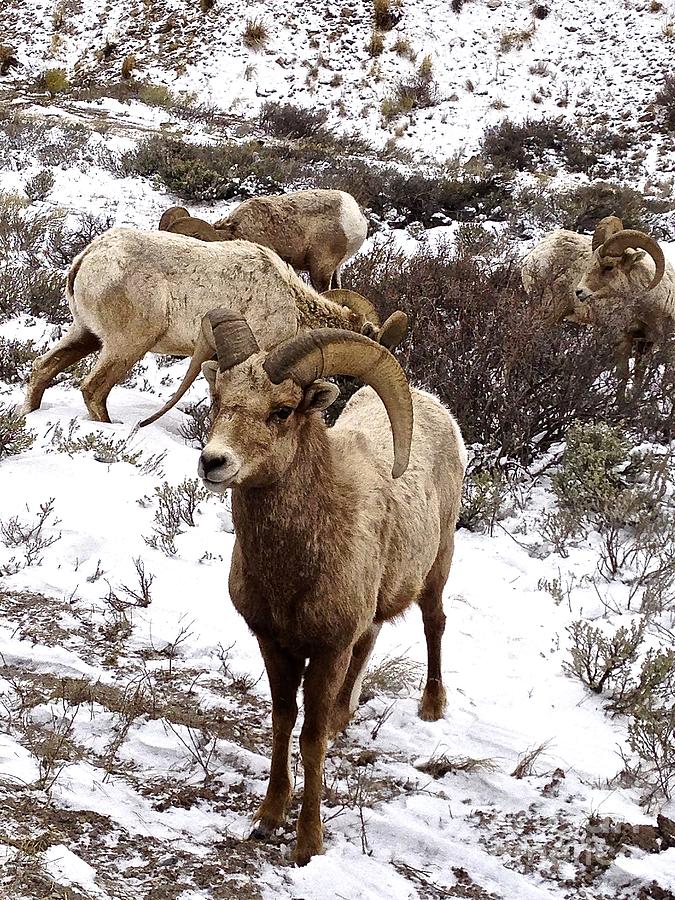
column 132, row 292
column 552, row 270
column 314, row 231
column 336, row 531
column 618, row 279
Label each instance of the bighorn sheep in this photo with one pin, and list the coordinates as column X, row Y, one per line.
column 335, row 533
column 552, row 270
column 133, row 292
column 313, row 231
column 617, row 279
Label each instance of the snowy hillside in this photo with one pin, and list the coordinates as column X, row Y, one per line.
column 135, row 727
column 583, row 61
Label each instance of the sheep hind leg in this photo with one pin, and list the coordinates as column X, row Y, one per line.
column 110, row 369
column 284, row 673
column 77, row 343
column 350, row 692
column 430, row 601
column 320, row 276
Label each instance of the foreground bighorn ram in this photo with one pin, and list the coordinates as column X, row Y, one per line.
column 618, row 279
column 133, row 292
column 336, row 530
column 314, row 231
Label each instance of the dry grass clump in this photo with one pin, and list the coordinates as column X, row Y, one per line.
column 419, row 91
column 393, row 675
column 54, row 81
column 402, row 47
column 387, row 13
column 255, row 34
column 525, row 765
column 515, row 38
column 441, row 765
column 375, row 45
column 128, row 65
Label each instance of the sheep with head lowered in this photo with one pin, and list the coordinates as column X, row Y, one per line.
column 618, row 280
column 552, row 270
column 337, row 529
column 132, row 292
column 314, row 231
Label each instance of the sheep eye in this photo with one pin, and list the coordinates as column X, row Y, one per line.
column 281, row 414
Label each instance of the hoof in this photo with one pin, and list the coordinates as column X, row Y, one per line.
column 304, row 853
column 260, row 832
column 432, row 706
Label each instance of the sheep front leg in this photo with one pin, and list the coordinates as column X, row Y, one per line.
column 284, row 673
column 323, row 678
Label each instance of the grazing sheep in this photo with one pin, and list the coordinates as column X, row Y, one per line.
column 132, row 292
column 336, row 531
column 618, row 279
column 629, row 287
column 314, row 231
column 552, row 270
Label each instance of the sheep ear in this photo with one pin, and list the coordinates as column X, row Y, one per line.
column 319, row 395
column 209, row 371
column 630, row 257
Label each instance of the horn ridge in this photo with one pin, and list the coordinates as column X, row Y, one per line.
column 336, row 351
column 629, row 237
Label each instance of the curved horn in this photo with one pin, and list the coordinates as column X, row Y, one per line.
column 205, row 348
column 196, row 228
column 223, row 334
column 604, row 229
column 356, row 302
column 336, row 351
column 171, row 215
column 622, row 240
column 233, row 338
column 393, row 330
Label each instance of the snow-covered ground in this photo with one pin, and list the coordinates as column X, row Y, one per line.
column 155, row 778
column 135, row 736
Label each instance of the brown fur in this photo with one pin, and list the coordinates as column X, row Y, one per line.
column 328, row 546
column 314, row 231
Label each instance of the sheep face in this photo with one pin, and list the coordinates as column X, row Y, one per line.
column 608, row 280
column 256, row 426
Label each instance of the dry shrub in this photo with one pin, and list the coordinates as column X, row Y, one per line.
column 290, row 121
column 128, row 65
column 387, row 13
column 54, row 81
column 666, row 99
column 523, row 146
column 40, row 184
column 476, row 341
column 8, row 59
column 255, row 34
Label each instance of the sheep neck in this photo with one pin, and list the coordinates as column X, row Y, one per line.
column 282, row 528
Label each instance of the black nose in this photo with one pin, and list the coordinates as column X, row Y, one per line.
column 210, row 462
column 579, row 293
